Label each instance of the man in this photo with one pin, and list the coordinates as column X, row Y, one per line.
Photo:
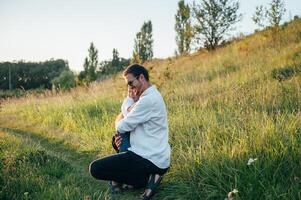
column 148, row 158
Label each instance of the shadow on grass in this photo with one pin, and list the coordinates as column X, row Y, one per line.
column 45, row 169
column 55, row 147
column 287, row 72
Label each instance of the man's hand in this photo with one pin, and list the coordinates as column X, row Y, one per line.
column 117, row 140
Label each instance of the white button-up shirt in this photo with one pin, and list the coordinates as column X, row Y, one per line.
column 148, row 125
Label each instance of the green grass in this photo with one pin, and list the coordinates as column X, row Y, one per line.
column 30, row 169
column 242, row 101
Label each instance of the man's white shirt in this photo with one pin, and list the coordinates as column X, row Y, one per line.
column 148, row 125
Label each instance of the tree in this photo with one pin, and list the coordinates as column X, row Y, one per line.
column 136, row 56
column 214, row 18
column 64, row 81
column 276, row 12
column 272, row 16
column 143, row 49
column 183, row 28
column 116, row 61
column 112, row 66
column 259, row 16
column 90, row 65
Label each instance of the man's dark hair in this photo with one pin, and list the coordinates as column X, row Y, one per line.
column 136, row 70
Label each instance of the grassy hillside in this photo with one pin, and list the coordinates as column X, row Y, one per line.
column 239, row 102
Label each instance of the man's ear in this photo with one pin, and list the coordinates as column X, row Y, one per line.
column 141, row 77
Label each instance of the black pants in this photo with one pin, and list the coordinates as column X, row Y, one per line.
column 126, row 167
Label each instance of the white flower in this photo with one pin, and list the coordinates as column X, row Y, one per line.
column 235, row 191
column 251, row 160
column 231, row 194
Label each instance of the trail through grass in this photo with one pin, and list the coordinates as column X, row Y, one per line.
column 35, row 168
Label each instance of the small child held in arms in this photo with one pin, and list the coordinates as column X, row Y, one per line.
column 126, row 107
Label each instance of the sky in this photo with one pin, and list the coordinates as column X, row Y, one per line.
column 39, row 30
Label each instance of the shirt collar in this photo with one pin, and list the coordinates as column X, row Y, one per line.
column 149, row 90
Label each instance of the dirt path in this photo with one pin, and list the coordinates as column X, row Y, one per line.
column 79, row 161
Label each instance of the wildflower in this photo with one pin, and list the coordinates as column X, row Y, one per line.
column 251, row 160
column 26, row 195
column 231, row 194
column 235, row 191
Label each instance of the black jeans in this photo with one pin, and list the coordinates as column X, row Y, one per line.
column 126, row 167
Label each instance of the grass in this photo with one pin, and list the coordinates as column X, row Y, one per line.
column 224, row 107
column 31, row 171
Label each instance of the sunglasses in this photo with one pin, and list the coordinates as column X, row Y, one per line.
column 130, row 83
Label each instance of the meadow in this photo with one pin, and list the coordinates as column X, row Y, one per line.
column 234, row 125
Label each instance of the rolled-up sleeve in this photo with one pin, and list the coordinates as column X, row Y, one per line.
column 140, row 113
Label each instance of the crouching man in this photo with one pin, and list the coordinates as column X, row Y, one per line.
column 148, row 157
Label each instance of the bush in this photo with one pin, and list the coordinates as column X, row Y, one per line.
column 4, row 94
column 286, row 72
column 65, row 80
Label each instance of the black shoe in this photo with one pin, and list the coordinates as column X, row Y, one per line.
column 152, row 186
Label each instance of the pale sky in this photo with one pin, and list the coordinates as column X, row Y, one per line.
column 38, row 30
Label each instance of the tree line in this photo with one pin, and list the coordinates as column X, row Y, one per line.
column 30, row 75
column 204, row 24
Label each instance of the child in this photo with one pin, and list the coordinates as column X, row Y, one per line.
column 127, row 105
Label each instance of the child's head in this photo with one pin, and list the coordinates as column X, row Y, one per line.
column 132, row 92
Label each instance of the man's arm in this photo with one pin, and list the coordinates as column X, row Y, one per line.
column 140, row 113
column 131, row 107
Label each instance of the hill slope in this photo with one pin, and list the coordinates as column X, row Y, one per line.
column 238, row 103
